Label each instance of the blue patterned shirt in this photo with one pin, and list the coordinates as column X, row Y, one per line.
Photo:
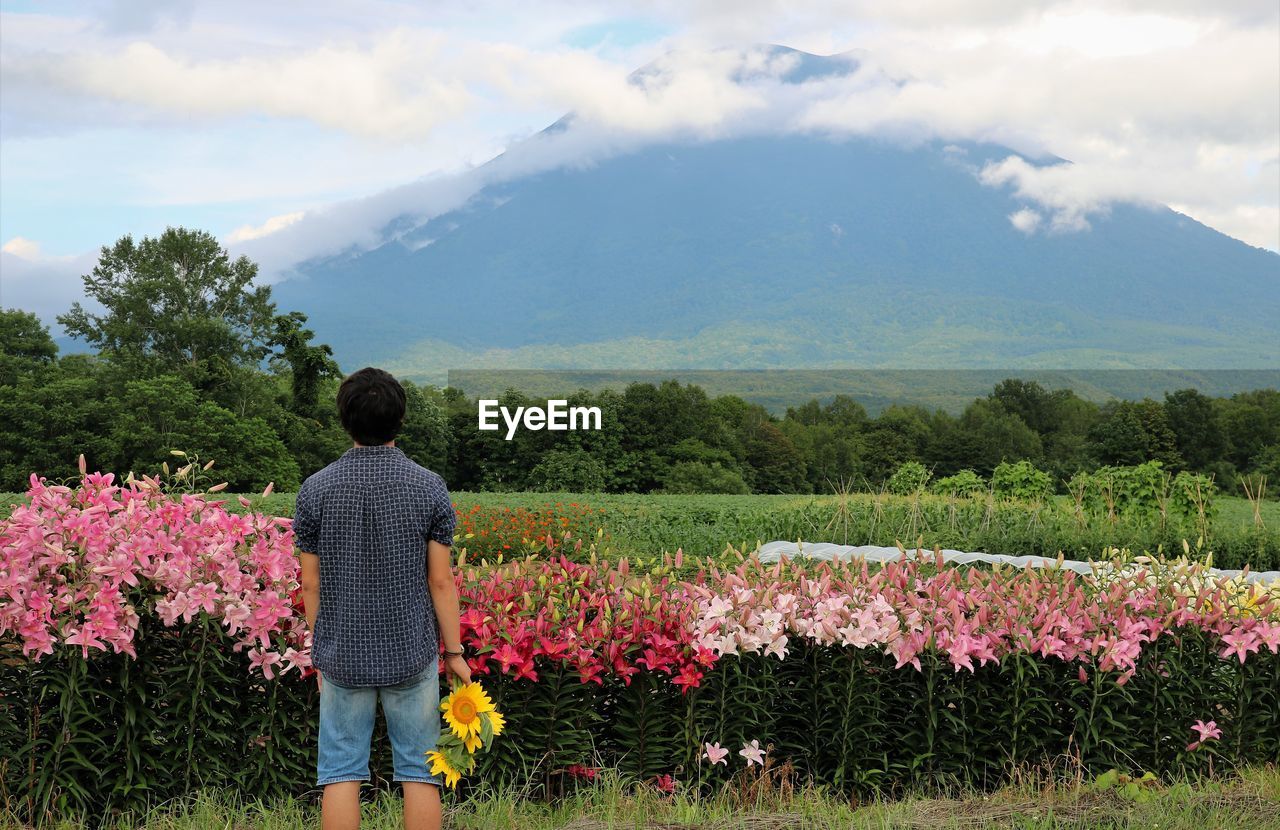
column 368, row 517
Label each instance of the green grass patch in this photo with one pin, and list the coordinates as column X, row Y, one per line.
column 1250, row 799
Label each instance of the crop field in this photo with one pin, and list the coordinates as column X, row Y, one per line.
column 705, row 525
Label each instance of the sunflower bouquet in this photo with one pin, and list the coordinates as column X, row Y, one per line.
column 473, row 722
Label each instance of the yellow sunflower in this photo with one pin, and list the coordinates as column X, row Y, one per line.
column 440, row 764
column 497, row 721
column 462, row 710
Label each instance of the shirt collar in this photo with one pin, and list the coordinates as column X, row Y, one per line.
column 377, row 449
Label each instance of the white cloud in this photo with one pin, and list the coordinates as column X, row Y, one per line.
column 27, row 249
column 385, row 90
column 1025, row 220
column 272, row 225
column 40, row 283
column 1153, row 101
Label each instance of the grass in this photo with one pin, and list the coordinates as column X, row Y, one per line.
column 1250, row 799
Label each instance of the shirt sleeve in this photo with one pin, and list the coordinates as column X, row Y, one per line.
column 443, row 517
column 306, row 521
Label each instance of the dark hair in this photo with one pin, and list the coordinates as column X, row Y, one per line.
column 371, row 405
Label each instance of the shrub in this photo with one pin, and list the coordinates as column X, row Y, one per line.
column 963, row 483
column 568, row 471
column 911, row 477
column 1021, row 482
column 1193, row 497
column 693, row 477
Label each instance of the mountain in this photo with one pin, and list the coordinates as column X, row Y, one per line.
column 788, row 250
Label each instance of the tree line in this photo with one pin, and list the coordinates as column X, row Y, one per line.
column 192, row 355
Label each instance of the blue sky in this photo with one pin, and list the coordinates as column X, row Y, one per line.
column 250, row 119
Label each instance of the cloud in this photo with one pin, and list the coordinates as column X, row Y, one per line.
column 272, row 225
column 40, row 283
column 381, row 91
column 23, row 248
column 1025, row 220
column 1152, row 101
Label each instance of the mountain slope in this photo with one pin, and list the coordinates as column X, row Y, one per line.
column 790, row 250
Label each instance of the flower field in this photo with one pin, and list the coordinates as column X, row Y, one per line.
column 150, row 646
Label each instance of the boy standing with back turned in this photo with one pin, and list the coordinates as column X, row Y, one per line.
column 374, row 531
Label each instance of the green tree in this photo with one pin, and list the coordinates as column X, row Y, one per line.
column 175, row 303
column 1131, row 432
column 425, row 435
column 568, row 471
column 773, row 462
column 1196, row 428
column 153, row 416
column 48, row 420
column 899, row 434
column 995, row 434
column 308, row 365
column 25, row 345
column 1029, row 401
column 693, row 477
column 829, row 439
column 1251, row 422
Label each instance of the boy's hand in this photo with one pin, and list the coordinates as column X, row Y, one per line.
column 456, row 666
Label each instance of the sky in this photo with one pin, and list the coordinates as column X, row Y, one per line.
column 293, row 130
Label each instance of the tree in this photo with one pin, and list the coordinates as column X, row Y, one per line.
column 694, row 477
column 1195, row 426
column 424, row 436
column 1251, row 422
column 568, row 471
column 153, row 416
column 47, row 420
column 175, row 303
column 25, row 345
column 308, row 365
column 1029, row 401
column 774, row 464
column 994, row 434
column 899, row 434
column 1132, row 432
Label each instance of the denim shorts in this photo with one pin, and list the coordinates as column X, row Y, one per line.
column 412, row 712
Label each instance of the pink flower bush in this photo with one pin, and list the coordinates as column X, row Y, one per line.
column 79, row 566
column 597, row 619
column 975, row 616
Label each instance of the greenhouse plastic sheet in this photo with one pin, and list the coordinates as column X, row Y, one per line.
column 772, row 551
